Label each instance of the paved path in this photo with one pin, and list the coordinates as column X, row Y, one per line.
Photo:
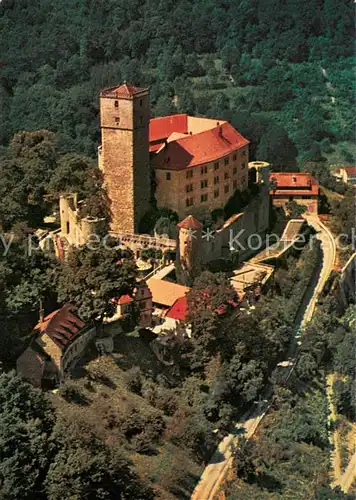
column 346, row 480
column 329, row 256
column 215, row 472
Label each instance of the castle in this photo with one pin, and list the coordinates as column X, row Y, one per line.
column 187, row 164
column 198, row 163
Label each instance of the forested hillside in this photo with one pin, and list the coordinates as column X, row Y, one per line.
column 280, row 70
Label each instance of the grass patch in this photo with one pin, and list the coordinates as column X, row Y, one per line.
column 127, row 421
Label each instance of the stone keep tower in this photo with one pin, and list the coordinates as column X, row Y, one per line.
column 189, row 245
column 124, row 154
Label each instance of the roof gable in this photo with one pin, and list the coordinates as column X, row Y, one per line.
column 189, row 222
column 166, row 292
column 200, row 148
column 179, row 309
column 61, row 326
column 125, row 91
column 164, row 126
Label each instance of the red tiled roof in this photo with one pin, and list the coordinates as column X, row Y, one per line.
column 293, row 183
column 164, row 126
column 155, row 147
column 124, row 299
column 166, row 292
column 61, row 325
column 179, row 309
column 189, row 222
column 350, row 170
column 200, row 148
column 128, row 90
column 122, row 91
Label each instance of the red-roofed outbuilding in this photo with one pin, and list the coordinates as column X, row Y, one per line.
column 300, row 187
column 179, row 310
column 59, row 341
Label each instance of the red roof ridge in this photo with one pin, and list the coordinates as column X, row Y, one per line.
column 189, row 222
column 199, row 148
column 123, row 90
column 61, row 325
column 161, row 127
column 168, row 116
column 179, row 309
column 350, row 170
column 124, row 299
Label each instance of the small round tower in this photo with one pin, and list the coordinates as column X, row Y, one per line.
column 189, row 245
column 259, row 172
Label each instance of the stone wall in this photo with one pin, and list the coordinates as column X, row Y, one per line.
column 74, row 229
column 254, row 219
column 347, row 282
column 175, row 187
column 310, row 203
column 75, row 350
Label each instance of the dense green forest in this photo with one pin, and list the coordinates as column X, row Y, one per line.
column 289, row 456
column 280, row 70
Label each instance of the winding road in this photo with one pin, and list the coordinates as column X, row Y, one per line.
column 347, row 479
column 215, row 472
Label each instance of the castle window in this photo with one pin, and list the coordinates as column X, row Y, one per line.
column 189, row 202
column 234, row 158
column 141, row 120
column 204, row 197
column 168, row 176
column 116, row 104
column 216, row 180
column 140, row 102
column 216, row 193
column 243, row 153
column 204, row 184
column 234, row 171
column 189, row 188
column 204, row 170
column 189, row 174
column 243, row 165
column 226, row 188
column 226, row 175
column 68, row 227
column 117, row 120
column 226, row 161
column 216, row 165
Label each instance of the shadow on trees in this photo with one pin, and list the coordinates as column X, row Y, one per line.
column 268, row 482
column 74, row 395
column 217, row 458
column 104, row 380
column 184, row 487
